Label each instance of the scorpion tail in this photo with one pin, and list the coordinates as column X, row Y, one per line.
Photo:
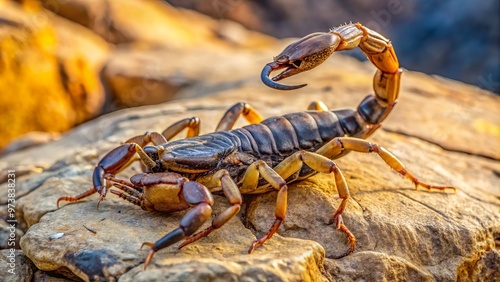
column 312, row 50
column 375, row 108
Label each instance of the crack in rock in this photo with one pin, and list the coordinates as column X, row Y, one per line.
column 440, row 145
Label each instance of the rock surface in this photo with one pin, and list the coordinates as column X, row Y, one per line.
column 15, row 266
column 402, row 234
column 48, row 84
column 111, row 19
column 55, row 58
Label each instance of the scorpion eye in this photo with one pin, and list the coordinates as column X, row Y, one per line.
column 297, row 63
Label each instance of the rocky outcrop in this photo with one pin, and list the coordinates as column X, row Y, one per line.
column 49, row 77
column 154, row 23
column 61, row 60
column 403, row 234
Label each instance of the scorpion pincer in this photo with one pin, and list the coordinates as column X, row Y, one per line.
column 263, row 156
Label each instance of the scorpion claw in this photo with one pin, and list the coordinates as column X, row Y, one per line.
column 302, row 55
column 266, row 71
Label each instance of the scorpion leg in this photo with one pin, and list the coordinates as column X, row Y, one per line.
column 319, row 163
column 232, row 114
column 337, row 145
column 231, row 191
column 148, row 137
column 250, row 182
column 114, row 162
column 192, row 125
column 194, row 194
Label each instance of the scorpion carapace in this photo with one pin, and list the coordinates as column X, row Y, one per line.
column 263, row 156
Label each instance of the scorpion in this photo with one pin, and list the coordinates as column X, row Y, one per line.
column 263, row 156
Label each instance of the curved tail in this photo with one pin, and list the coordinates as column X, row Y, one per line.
column 313, row 49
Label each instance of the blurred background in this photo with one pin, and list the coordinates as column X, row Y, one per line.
column 458, row 39
column 64, row 62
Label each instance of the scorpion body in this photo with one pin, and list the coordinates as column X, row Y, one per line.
column 263, row 156
column 272, row 141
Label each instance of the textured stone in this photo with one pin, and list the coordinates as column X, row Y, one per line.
column 57, row 74
column 9, row 235
column 15, row 266
column 146, row 77
column 140, row 70
column 49, row 77
column 31, row 139
column 42, row 276
column 111, row 20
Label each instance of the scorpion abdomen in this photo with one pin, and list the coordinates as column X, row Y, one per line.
column 284, row 135
column 350, row 123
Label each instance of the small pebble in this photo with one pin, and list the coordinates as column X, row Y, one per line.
column 56, row 235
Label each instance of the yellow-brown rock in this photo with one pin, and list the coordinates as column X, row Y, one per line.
column 49, row 78
column 53, row 53
column 155, row 23
column 139, row 71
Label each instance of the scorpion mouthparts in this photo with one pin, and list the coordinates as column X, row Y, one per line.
column 266, row 71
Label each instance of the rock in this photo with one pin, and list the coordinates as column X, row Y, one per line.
column 293, row 259
column 31, row 139
column 146, row 77
column 49, row 77
column 402, row 234
column 9, row 234
column 15, row 266
column 42, row 276
column 43, row 55
column 140, row 72
column 111, row 20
